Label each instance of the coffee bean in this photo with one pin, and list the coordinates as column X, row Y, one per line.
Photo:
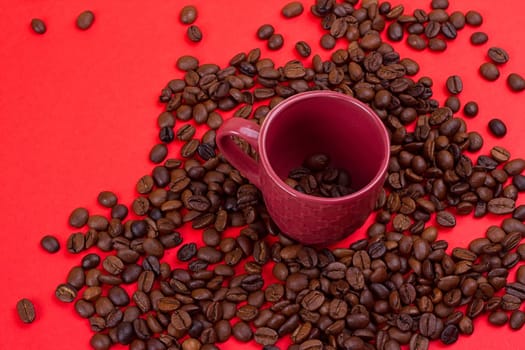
column 50, row 244
column 489, row 71
column 303, row 49
column 498, row 318
column 497, row 127
column 473, row 18
column 292, row 9
column 242, row 331
column 100, row 341
column 188, row 14
column 187, row 251
column 107, row 199
column 38, row 26
column 194, row 33
column 454, row 84
column 416, row 42
column 516, row 82
column 85, row 20
column 446, row 219
column 437, row 44
column 470, row 109
column 498, row 55
column 478, row 38
column 450, row 334
column 517, row 319
column 265, row 336
column 265, row 31
column 275, row 41
column 158, row 153
column 327, row 42
column 26, row 310
column 78, row 217
column 66, row 293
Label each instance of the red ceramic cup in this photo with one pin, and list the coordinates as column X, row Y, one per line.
column 311, row 122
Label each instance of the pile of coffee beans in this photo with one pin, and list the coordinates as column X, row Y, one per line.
column 317, row 178
column 402, row 285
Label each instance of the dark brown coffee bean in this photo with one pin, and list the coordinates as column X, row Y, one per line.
column 265, row 336
column 500, row 206
column 498, row 55
column 292, row 9
column 158, row 153
column 473, row 18
column 497, row 127
column 85, row 20
column 26, row 310
column 194, row 33
column 446, row 219
column 78, row 217
column 517, row 319
column 416, row 42
column 275, row 42
column 478, row 38
column 107, row 199
column 454, row 84
column 489, row 71
column 327, row 42
column 470, row 109
column 38, row 26
column 188, row 14
column 265, row 31
column 516, row 82
column 303, row 49
column 100, row 341
column 66, row 293
column 50, row 244
column 498, row 318
column 242, row 332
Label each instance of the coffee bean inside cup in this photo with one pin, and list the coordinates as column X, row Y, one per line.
column 316, row 177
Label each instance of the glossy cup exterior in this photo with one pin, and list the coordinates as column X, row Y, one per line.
column 312, row 122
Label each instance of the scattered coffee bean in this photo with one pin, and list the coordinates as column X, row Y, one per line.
column 497, row 127
column 479, row 38
column 498, row 55
column 50, row 244
column 107, row 199
column 454, row 84
column 489, row 71
column 265, row 31
column 38, row 26
column 188, row 14
column 473, row 18
column 194, row 33
column 292, row 9
column 516, row 82
column 303, row 49
column 470, row 109
column 26, row 310
column 85, row 20
column 275, row 41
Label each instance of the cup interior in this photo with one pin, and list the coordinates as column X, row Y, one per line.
column 335, row 124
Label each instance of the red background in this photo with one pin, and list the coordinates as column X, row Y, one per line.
column 78, row 115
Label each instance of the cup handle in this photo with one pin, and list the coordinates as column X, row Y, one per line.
column 249, row 132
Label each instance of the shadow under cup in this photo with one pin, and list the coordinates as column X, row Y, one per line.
column 343, row 130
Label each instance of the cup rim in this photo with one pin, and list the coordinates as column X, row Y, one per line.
column 263, row 157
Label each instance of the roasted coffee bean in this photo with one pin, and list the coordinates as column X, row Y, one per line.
column 498, row 318
column 517, row 319
column 66, row 293
column 265, row 336
column 194, row 33
column 188, row 14
column 85, row 20
column 100, row 341
column 327, row 42
column 489, row 71
column 107, row 199
column 292, row 9
column 454, row 84
column 275, row 41
column 303, row 49
column 38, row 26
column 515, row 82
column 50, row 244
column 265, row 31
column 470, row 109
column 242, row 331
column 26, row 310
column 478, row 38
column 78, row 217
column 158, row 153
column 473, row 18
column 497, row 127
column 498, row 55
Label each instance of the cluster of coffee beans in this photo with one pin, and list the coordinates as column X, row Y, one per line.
column 315, row 177
column 400, row 286
column 84, row 21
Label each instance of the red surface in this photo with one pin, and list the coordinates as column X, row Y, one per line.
column 78, row 112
